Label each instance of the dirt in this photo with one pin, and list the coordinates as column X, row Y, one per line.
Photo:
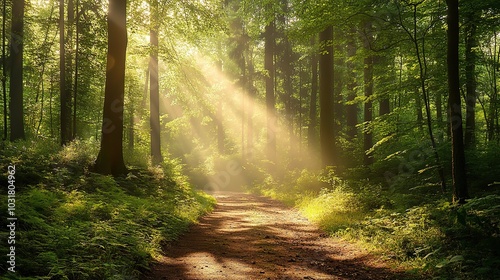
column 253, row 237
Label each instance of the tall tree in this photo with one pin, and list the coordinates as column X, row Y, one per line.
column 351, row 108
column 4, row 68
column 154, row 98
column 460, row 192
column 311, row 130
column 470, row 77
column 327, row 137
column 270, row 98
column 16, row 74
column 65, row 99
column 110, row 157
column 368, row 89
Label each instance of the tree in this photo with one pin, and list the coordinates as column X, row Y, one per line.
column 368, row 89
column 270, row 98
column 16, row 74
column 110, row 157
column 327, row 137
column 311, row 130
column 154, row 99
column 4, row 69
column 460, row 192
column 470, row 78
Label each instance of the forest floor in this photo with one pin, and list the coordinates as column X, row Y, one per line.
column 253, row 237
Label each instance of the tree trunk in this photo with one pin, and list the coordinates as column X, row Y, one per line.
column 351, row 108
column 4, row 69
column 251, row 97
column 470, row 81
column 110, row 157
column 338, row 85
column 311, row 130
column 68, row 53
column 220, row 128
column 65, row 100
column 460, row 192
column 368, row 89
column 270, row 98
column 77, row 60
column 326, row 78
column 16, row 75
column 154, row 98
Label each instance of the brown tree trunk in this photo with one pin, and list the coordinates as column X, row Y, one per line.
column 4, row 69
column 154, row 98
column 326, row 78
column 270, row 98
column 110, row 157
column 368, row 89
column 470, row 82
column 351, row 108
column 16, row 74
column 460, row 192
column 311, row 130
column 65, row 100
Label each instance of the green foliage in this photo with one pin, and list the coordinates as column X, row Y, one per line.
column 90, row 226
column 414, row 228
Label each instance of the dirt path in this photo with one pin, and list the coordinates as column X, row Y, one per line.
column 252, row 237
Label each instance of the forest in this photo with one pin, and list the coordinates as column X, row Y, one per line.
column 210, row 139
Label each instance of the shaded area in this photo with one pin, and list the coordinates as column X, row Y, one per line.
column 252, row 237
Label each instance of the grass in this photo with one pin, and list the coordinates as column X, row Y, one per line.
column 74, row 224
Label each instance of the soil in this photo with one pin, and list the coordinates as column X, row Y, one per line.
column 253, row 237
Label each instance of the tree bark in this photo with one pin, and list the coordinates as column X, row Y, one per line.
column 368, row 89
column 326, row 98
column 270, row 98
column 16, row 75
column 351, row 108
column 470, row 81
column 65, row 100
column 311, row 130
column 4, row 69
column 460, row 192
column 154, row 98
column 110, row 157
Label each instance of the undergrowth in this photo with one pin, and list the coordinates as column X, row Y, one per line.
column 416, row 228
column 74, row 224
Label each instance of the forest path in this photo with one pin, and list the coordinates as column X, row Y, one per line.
column 253, row 237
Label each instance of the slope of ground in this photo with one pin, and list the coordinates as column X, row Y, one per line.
column 253, row 237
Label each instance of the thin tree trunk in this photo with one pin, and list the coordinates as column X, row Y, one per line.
column 250, row 110
column 368, row 89
column 154, row 98
column 311, row 130
column 16, row 75
column 64, row 99
column 110, row 157
column 460, row 192
column 220, row 128
column 422, row 77
column 351, row 108
column 77, row 50
column 4, row 69
column 470, row 81
column 270, row 98
column 326, row 98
